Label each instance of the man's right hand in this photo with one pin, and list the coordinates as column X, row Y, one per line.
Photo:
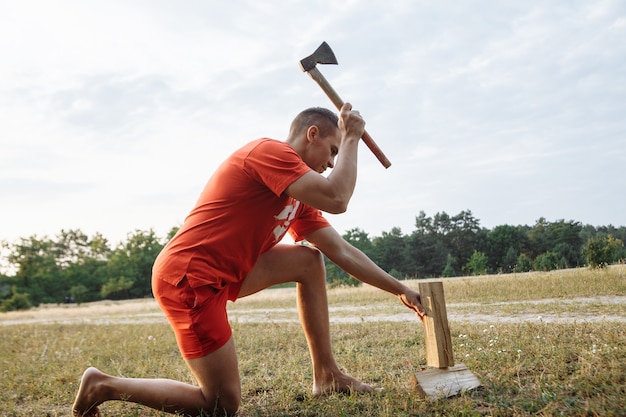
column 351, row 123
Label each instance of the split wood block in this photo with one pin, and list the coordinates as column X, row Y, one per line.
column 444, row 378
column 436, row 331
column 438, row 383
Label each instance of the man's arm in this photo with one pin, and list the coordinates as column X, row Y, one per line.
column 332, row 194
column 360, row 266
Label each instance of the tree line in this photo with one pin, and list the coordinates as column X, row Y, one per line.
column 73, row 267
column 448, row 246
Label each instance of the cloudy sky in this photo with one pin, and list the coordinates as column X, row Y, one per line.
column 113, row 114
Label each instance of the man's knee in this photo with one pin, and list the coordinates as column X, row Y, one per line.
column 314, row 259
column 226, row 404
column 229, row 403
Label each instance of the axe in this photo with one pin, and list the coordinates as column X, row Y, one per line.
column 324, row 55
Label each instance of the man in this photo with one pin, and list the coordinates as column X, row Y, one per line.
column 228, row 248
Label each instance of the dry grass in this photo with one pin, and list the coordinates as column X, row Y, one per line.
column 526, row 367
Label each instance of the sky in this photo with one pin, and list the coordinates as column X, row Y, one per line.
column 114, row 114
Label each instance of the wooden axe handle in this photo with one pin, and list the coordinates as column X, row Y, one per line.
column 338, row 102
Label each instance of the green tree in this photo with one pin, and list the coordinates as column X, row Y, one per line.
column 524, row 263
column 133, row 260
column 79, row 293
column 510, row 260
column 37, row 273
column 360, row 240
column 449, row 271
column 602, row 251
column 501, row 243
column 477, row 264
column 427, row 255
column 547, row 261
column 83, row 262
column 117, row 288
column 561, row 237
column 423, row 224
column 435, row 238
column 47, row 269
column 390, row 251
column 464, row 236
column 17, row 301
column 538, row 237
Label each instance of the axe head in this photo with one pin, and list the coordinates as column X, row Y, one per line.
column 322, row 55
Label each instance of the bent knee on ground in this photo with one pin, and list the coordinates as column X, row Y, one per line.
column 226, row 404
column 230, row 408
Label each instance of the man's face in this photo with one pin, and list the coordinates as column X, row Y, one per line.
column 324, row 149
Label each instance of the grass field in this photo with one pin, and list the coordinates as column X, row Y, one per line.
column 541, row 344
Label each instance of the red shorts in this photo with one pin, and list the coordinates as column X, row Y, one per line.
column 197, row 315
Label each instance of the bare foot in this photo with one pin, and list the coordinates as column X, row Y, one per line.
column 87, row 399
column 341, row 383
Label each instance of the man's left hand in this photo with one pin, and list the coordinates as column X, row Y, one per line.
column 413, row 300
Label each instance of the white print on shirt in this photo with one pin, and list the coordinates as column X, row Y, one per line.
column 285, row 217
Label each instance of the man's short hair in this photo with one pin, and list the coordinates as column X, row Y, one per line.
column 324, row 119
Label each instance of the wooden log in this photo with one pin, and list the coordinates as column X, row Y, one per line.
column 437, row 383
column 436, row 331
column 443, row 379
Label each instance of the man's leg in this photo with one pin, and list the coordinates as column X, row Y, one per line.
column 305, row 265
column 219, row 392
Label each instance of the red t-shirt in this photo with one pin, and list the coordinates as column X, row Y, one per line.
column 241, row 213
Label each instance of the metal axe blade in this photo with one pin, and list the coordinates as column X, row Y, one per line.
column 324, row 55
